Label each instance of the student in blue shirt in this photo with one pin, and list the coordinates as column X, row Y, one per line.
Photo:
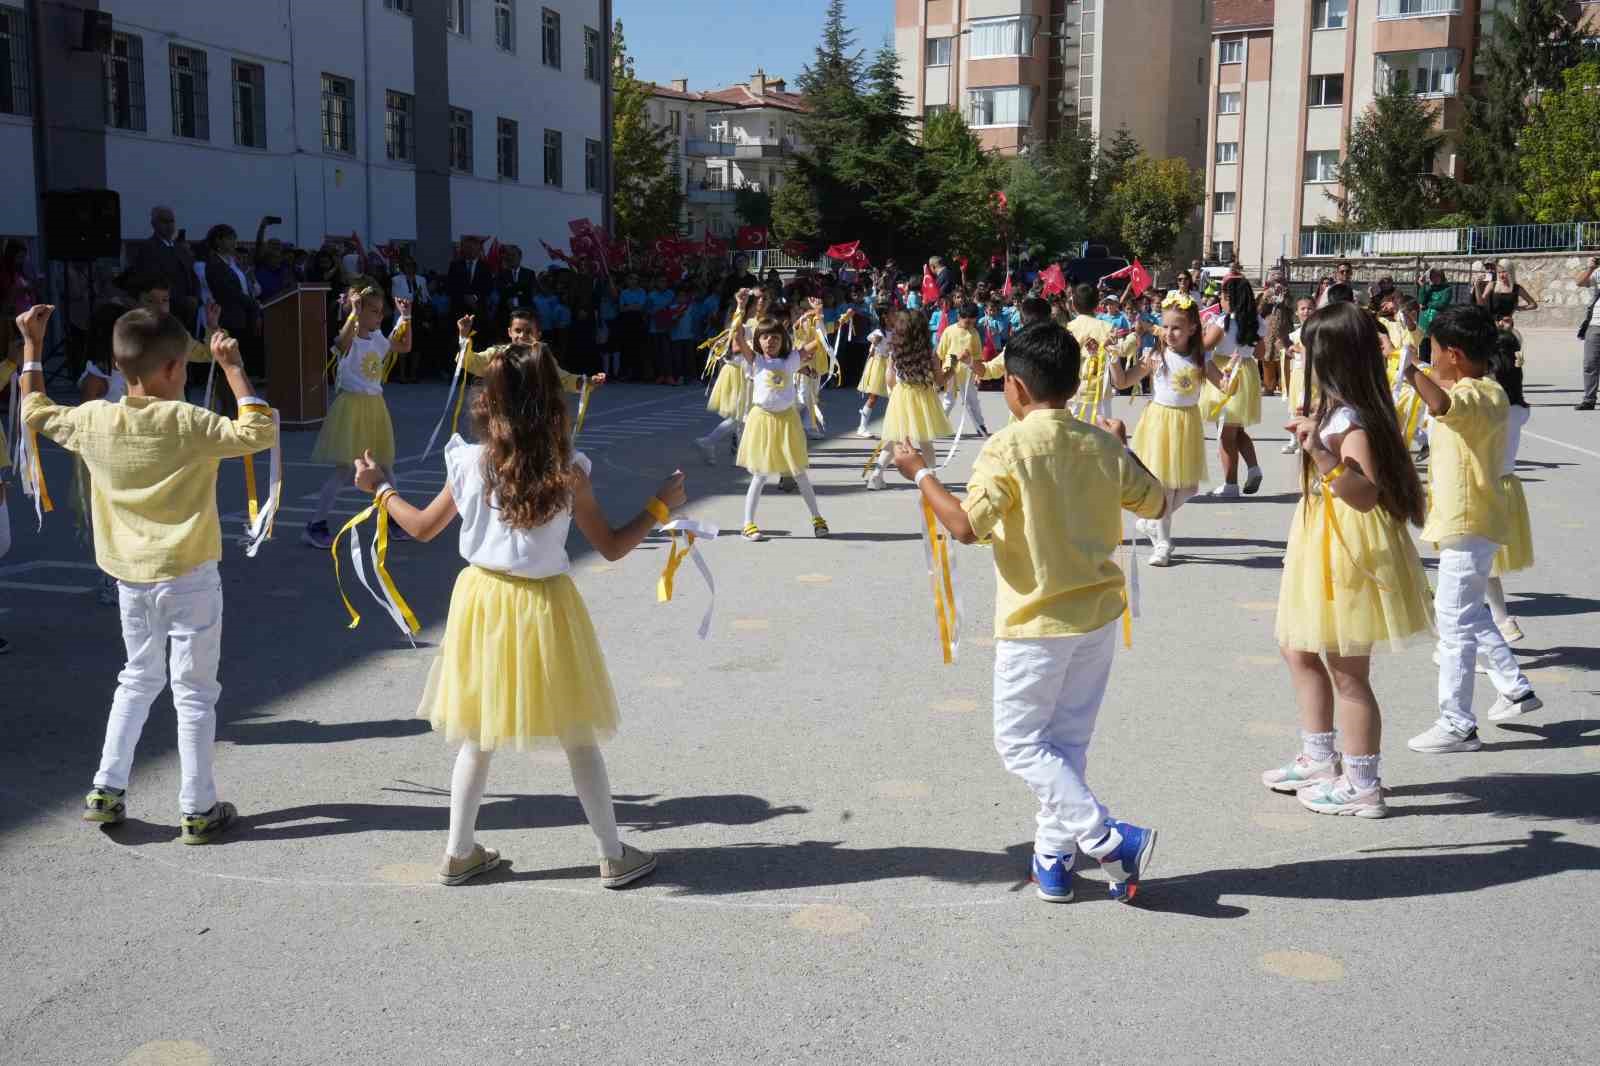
column 996, row 326
column 630, row 337
column 685, row 329
column 1113, row 315
column 660, row 329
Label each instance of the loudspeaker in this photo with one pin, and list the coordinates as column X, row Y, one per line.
column 83, row 224
column 96, row 31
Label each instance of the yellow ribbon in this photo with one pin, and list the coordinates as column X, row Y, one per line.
column 944, row 599
column 380, row 564
column 1331, row 532
column 406, row 620
column 45, row 503
column 1087, row 408
column 251, row 500
column 669, row 572
column 583, row 407
column 1230, row 386
column 866, row 471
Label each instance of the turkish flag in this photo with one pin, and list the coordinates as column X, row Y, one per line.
column 715, row 245
column 1139, row 278
column 1054, row 280
column 1006, row 292
column 580, row 227
column 858, row 261
column 752, row 237
column 844, row 252
column 930, row 287
column 796, row 249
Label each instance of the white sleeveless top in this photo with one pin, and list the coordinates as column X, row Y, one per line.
column 1342, row 420
column 1229, row 344
column 488, row 542
column 1514, row 422
column 775, row 382
column 1177, row 383
column 361, row 369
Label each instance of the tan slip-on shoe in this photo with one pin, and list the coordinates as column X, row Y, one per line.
column 632, row 865
column 455, row 871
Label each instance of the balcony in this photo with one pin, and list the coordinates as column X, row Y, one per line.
column 753, row 148
column 1416, row 9
column 716, row 191
column 1430, row 73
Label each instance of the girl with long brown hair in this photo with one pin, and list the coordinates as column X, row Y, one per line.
column 915, row 414
column 520, row 664
column 1352, row 580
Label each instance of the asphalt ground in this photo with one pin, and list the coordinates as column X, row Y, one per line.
column 843, row 859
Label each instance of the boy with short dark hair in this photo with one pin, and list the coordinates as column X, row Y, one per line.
column 162, row 545
column 1059, row 597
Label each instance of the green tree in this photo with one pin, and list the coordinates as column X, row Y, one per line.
column 1387, row 171
column 958, row 181
column 645, row 194
column 1526, row 46
column 753, row 206
column 833, row 124
column 794, row 210
column 1045, row 219
column 1111, row 167
column 874, row 165
column 1561, row 150
column 1156, row 201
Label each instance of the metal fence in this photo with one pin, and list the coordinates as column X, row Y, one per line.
column 1466, row 240
column 761, row 260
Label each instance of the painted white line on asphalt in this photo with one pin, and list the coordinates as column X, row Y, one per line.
column 1561, row 444
column 29, row 586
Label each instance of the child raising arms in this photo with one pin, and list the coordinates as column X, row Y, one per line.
column 519, row 664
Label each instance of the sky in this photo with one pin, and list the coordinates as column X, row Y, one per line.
column 716, row 43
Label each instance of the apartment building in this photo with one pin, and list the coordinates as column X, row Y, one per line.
column 1022, row 71
column 1291, row 77
column 724, row 140
column 412, row 121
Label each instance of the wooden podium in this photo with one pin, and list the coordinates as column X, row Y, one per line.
column 296, row 334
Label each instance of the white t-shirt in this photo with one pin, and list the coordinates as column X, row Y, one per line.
column 488, row 542
column 876, row 346
column 775, row 382
column 1341, row 421
column 361, row 369
column 1229, row 344
column 1177, row 383
column 116, row 384
column 1514, row 422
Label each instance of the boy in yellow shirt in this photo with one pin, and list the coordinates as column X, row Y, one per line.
column 162, row 545
column 961, row 353
column 1468, row 520
column 1047, row 491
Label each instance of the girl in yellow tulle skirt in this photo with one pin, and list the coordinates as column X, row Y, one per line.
column 1352, row 580
column 1517, row 552
column 731, row 389
column 874, row 384
column 1234, row 403
column 520, row 665
column 915, row 413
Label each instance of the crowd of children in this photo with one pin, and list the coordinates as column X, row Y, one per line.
column 520, row 665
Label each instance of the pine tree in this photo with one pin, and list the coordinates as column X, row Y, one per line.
column 833, row 119
column 1386, row 174
column 1526, row 46
column 958, row 181
column 646, row 197
column 1111, row 165
column 794, row 209
column 884, row 156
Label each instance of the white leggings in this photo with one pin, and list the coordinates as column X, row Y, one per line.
column 1176, row 498
column 588, row 777
column 886, row 455
column 723, row 430
column 759, row 482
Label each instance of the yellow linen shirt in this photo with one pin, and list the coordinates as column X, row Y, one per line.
column 1085, row 328
column 153, row 475
column 1048, row 491
column 476, row 363
column 1467, row 449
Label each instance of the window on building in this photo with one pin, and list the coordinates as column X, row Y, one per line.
column 506, row 149
column 402, row 6
column 1327, row 90
column 505, row 25
column 1227, row 103
column 1330, row 14
column 552, row 157
column 1432, row 72
column 1322, row 167
column 1222, row 251
column 122, row 68
column 338, row 114
column 249, row 105
column 999, row 107
column 591, row 53
column 591, row 166
column 1398, row 9
column 461, row 140
column 675, row 122
column 772, row 131
column 186, row 71
column 1430, row 162
column 16, row 78
column 937, row 53
column 1231, row 51
column 1223, row 202
column 1001, row 37
column 1227, row 151
column 934, row 109
column 400, row 127
column 455, row 16
column 550, row 38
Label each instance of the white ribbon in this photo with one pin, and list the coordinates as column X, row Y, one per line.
column 449, row 399
column 361, row 575
column 23, row 456
column 211, row 375
column 961, row 425
column 260, row 531
column 701, row 531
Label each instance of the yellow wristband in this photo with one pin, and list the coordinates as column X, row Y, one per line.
column 1333, row 475
column 658, row 511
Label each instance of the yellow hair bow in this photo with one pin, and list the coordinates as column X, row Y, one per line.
column 1182, row 301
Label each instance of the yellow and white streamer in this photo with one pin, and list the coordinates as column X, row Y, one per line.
column 583, row 406
column 942, row 576
column 259, row 529
column 690, row 531
column 452, row 399
column 1230, row 385
column 1087, row 409
column 25, row 457
column 389, row 599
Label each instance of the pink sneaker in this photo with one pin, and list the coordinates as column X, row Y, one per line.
column 1303, row 772
column 1339, row 796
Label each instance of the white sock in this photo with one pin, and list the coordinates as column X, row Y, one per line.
column 1495, row 594
column 5, row 528
column 594, row 793
column 1317, row 747
column 330, row 490
column 466, row 794
column 1362, row 770
column 753, row 497
column 807, row 493
column 1165, row 528
column 723, row 430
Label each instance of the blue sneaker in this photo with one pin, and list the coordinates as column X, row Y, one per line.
column 1053, row 880
column 1129, row 859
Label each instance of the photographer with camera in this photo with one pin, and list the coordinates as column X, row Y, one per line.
column 1589, row 333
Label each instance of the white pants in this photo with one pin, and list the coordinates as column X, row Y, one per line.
column 807, row 390
column 1465, row 625
column 187, row 612
column 974, row 409
column 1047, row 695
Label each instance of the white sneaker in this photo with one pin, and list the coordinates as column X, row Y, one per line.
column 1302, row 772
column 1226, row 490
column 707, row 450
column 862, row 430
column 1342, row 797
column 1511, row 630
column 1252, row 483
column 876, row 482
column 1524, row 704
column 1441, row 738
column 1162, row 554
column 1146, row 528
column 1477, row 665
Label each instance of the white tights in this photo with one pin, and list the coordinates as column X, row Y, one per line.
column 759, row 482
column 1176, row 498
column 588, row 777
column 929, row 455
column 724, row 429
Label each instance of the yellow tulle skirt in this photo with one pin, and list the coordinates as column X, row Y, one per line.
column 1516, row 553
column 773, row 443
column 1172, row 443
column 520, row 665
column 875, row 378
column 1297, row 387
column 356, row 423
column 1243, row 408
column 1380, row 593
column 914, row 414
column 730, row 396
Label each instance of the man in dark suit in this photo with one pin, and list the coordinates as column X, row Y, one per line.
column 164, row 256
column 469, row 282
column 516, row 284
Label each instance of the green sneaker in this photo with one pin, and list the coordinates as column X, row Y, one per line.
column 207, row 826
column 104, row 806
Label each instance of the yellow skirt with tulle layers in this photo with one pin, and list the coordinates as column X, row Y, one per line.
column 355, row 424
column 1380, row 593
column 519, row 666
column 773, row 443
column 730, row 396
column 1516, row 553
column 915, row 414
column 875, row 378
column 1244, row 406
column 1172, row 443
